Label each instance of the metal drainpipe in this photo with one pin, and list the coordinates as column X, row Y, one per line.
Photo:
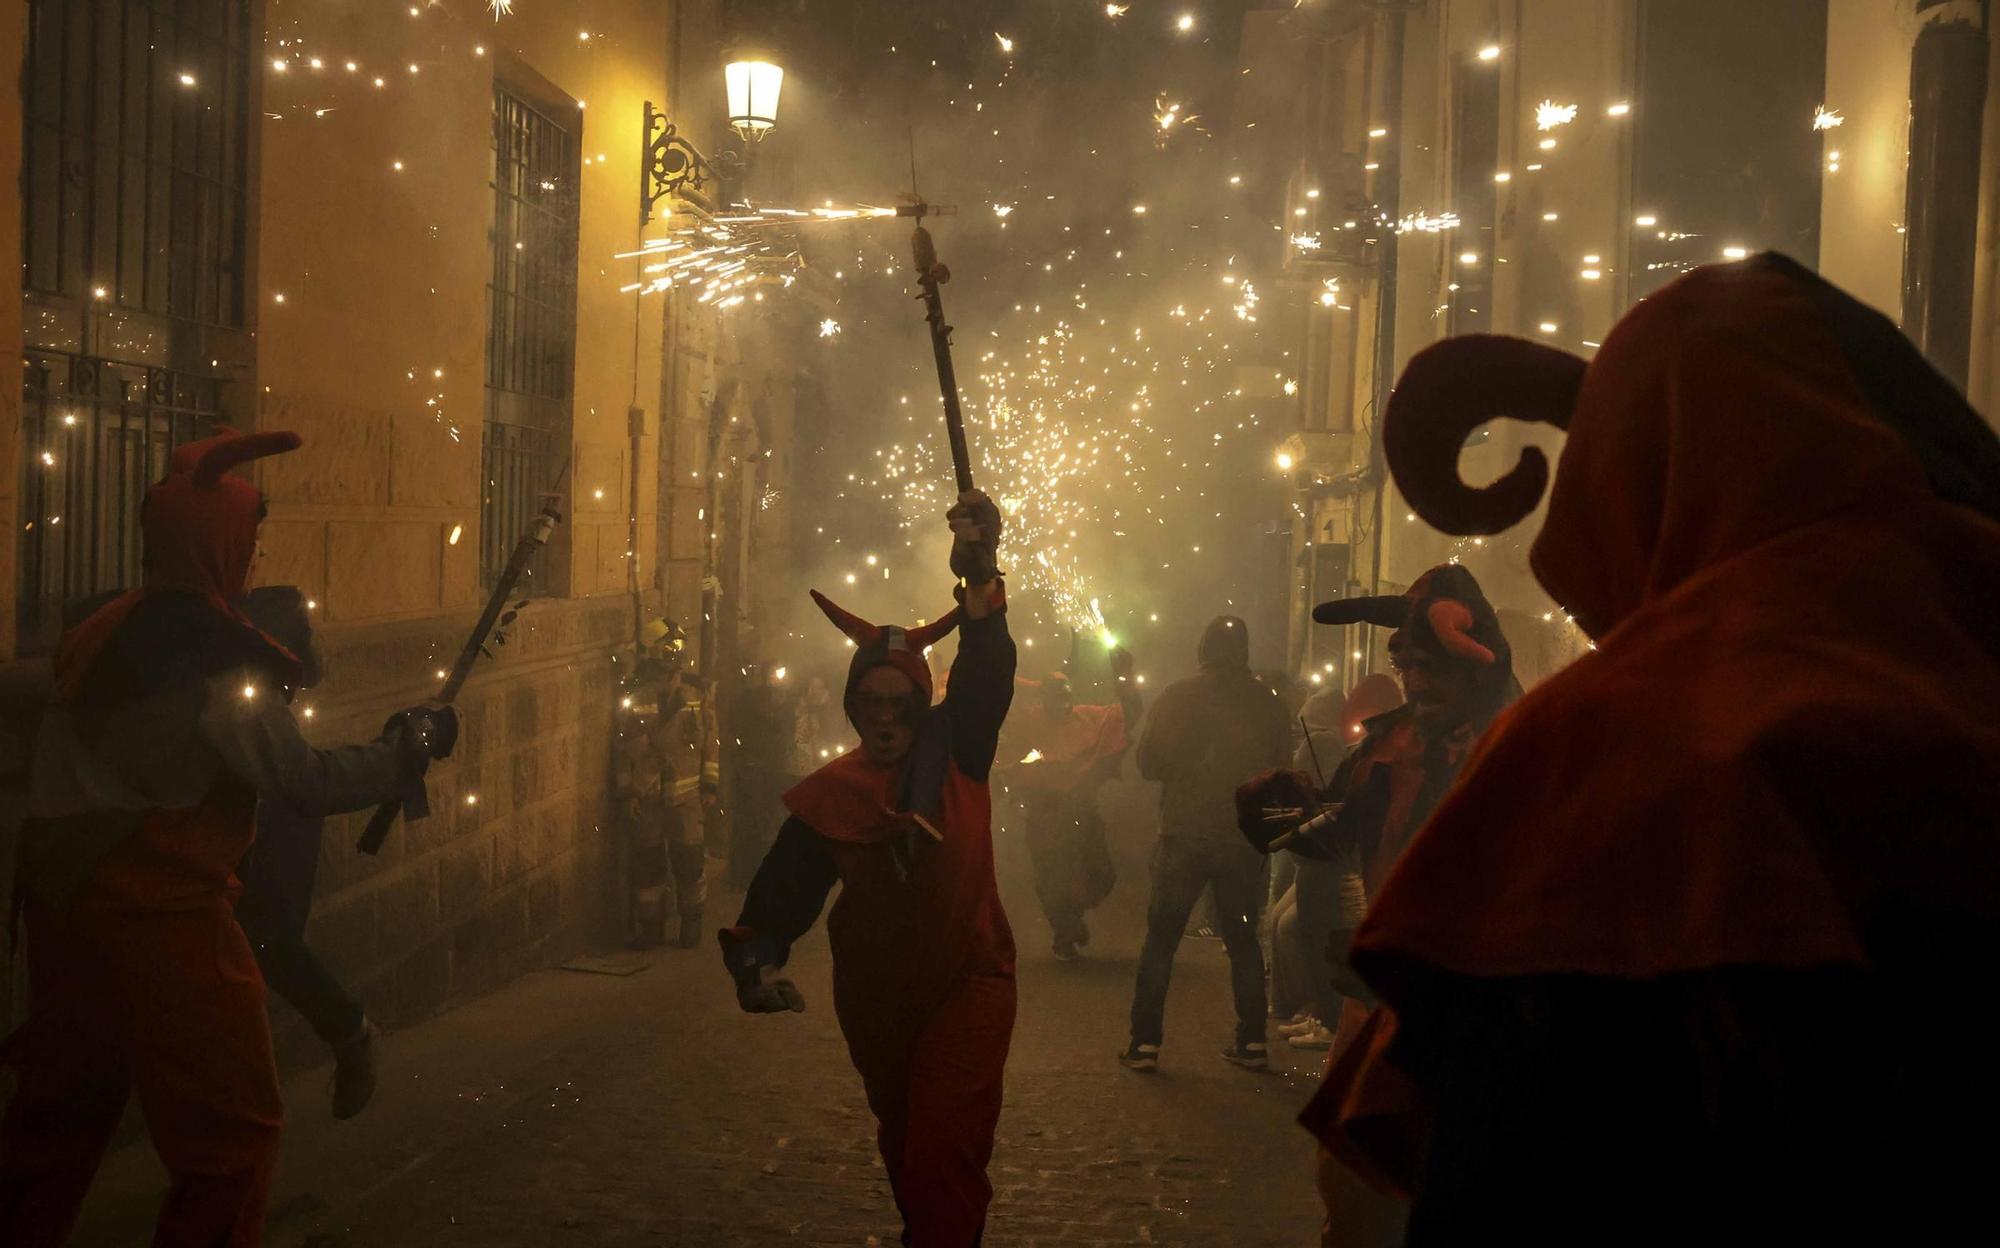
column 1941, row 208
column 1385, row 303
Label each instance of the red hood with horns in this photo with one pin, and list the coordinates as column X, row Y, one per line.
column 1777, row 521
column 199, row 526
column 1788, row 727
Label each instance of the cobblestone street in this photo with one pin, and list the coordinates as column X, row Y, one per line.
column 604, row 1110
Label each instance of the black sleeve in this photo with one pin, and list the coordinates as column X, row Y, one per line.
column 253, row 732
column 979, row 693
column 789, row 890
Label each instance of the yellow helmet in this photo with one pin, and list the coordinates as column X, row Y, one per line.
column 662, row 632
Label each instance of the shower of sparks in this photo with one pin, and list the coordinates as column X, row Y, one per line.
column 1065, row 418
column 1306, row 242
column 727, row 258
column 1246, row 307
column 1006, row 44
column 1116, row 10
column 1825, row 118
column 1419, row 223
column 1167, row 118
column 499, row 8
column 829, row 327
column 1549, row 115
column 1329, row 295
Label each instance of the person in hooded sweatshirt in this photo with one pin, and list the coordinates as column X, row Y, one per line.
column 1207, row 734
column 170, row 723
column 1699, row 948
column 923, row 958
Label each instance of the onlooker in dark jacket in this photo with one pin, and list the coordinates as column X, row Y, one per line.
column 1207, row 734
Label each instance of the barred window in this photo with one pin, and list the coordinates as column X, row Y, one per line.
column 531, row 317
column 97, row 433
column 136, row 138
column 136, row 154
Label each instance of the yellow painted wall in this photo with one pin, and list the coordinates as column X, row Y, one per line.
column 1868, row 46
column 376, row 225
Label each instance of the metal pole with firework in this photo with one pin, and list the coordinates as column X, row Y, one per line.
column 525, row 550
column 932, row 274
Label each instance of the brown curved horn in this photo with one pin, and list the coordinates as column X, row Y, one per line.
column 228, row 452
column 1450, row 389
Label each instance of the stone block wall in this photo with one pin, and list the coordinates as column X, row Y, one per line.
column 515, row 867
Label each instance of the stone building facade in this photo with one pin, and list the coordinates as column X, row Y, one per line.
column 1533, row 168
column 396, row 230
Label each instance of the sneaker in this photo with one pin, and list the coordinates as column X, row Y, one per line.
column 1295, row 1024
column 354, row 1072
column 1201, row 931
column 1250, row 1056
column 1140, row 1057
column 1315, row 1039
column 1065, row 951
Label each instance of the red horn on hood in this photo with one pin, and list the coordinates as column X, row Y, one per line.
column 924, row 636
column 1451, row 620
column 231, row 449
column 858, row 630
column 1450, row 389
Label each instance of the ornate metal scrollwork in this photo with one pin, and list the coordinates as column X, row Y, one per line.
column 670, row 164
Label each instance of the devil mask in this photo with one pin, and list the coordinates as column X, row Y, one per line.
column 888, row 645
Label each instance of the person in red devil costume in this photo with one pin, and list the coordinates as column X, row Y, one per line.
column 1068, row 752
column 923, row 959
column 170, row 721
column 1457, row 674
column 1697, row 948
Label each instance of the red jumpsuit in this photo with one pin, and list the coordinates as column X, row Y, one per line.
column 169, row 721
column 923, row 957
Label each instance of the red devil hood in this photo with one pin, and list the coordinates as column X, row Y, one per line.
column 199, row 528
column 1769, row 513
column 888, row 645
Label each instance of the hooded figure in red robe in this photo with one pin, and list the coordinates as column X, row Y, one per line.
column 1700, row 945
column 1066, row 752
column 170, row 721
column 923, row 959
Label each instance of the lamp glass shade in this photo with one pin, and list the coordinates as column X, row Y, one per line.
column 753, row 96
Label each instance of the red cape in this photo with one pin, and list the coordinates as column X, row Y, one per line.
column 1072, row 744
column 1789, row 727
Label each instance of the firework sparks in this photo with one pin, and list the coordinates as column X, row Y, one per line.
column 1549, row 115
column 499, row 8
column 1420, row 223
column 829, row 327
column 1825, row 118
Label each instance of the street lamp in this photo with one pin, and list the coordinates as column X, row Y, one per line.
column 753, row 88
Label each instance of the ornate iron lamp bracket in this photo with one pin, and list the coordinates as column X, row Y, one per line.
column 671, row 165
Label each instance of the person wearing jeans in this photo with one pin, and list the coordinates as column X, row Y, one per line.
column 1207, row 734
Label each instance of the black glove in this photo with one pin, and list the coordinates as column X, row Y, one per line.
column 425, row 733
column 975, row 528
column 759, row 989
column 1289, row 790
